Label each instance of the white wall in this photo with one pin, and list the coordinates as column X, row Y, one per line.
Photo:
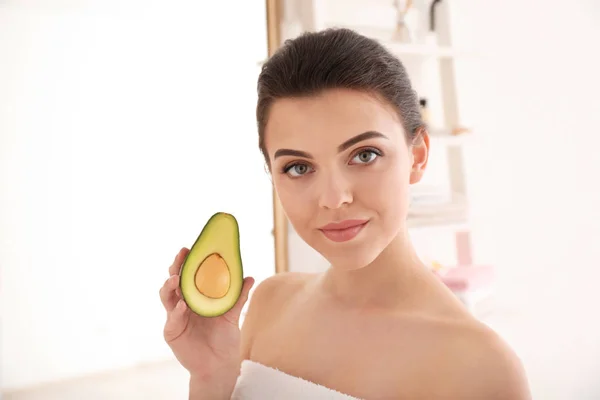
column 123, row 126
column 536, row 101
column 533, row 100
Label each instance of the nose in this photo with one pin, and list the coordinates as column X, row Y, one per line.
column 335, row 191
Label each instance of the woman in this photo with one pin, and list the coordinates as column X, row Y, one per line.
column 342, row 136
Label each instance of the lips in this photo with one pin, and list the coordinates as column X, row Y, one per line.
column 344, row 230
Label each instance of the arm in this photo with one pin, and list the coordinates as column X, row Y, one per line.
column 219, row 380
column 201, row 389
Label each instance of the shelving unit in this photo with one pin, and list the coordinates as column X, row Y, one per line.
column 430, row 63
column 454, row 213
column 422, row 49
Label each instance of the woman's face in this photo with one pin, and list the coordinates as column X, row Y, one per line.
column 342, row 169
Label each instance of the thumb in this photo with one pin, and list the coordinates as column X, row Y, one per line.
column 237, row 309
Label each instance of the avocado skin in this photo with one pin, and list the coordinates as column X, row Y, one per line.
column 221, row 235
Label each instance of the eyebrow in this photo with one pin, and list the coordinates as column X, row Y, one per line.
column 348, row 143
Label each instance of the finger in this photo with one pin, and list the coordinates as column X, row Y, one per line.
column 237, row 308
column 176, row 321
column 168, row 296
column 176, row 266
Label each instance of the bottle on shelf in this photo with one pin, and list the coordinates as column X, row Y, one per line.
column 424, row 110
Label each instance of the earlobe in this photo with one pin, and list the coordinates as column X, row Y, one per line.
column 420, row 156
column 415, row 176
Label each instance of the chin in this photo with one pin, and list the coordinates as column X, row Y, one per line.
column 351, row 255
column 351, row 261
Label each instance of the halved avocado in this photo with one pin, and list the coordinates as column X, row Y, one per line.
column 212, row 275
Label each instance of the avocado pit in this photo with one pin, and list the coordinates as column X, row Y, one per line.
column 212, row 277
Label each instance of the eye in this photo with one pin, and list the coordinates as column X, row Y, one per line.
column 296, row 170
column 366, row 156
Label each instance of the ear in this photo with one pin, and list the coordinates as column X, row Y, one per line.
column 420, row 155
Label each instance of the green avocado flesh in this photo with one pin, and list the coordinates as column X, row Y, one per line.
column 212, row 275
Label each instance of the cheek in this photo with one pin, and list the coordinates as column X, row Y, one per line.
column 294, row 200
column 386, row 195
column 386, row 188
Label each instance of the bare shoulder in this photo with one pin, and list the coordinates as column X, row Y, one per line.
column 277, row 290
column 268, row 300
column 484, row 365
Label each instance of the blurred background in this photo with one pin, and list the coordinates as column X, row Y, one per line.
column 124, row 125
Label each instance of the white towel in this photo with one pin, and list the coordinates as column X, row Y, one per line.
column 259, row 382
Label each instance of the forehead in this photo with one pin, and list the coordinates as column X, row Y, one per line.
column 327, row 119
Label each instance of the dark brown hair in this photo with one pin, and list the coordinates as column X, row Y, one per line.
column 336, row 58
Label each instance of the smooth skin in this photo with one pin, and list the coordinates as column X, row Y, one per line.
column 377, row 324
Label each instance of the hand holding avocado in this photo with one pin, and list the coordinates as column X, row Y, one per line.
column 204, row 297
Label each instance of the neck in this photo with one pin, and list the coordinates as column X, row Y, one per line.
column 386, row 282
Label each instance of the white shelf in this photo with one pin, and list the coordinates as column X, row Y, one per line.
column 444, row 221
column 445, row 137
column 451, row 214
column 387, row 38
column 421, row 50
